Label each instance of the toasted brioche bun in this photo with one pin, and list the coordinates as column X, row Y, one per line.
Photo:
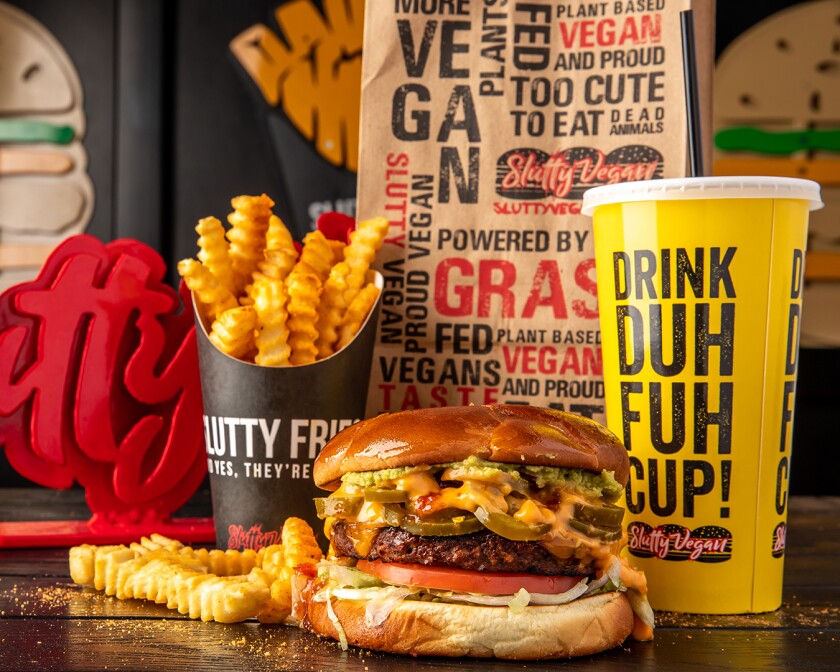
column 511, row 434
column 579, row 628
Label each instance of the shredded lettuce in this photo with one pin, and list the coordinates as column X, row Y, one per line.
column 342, row 636
column 350, row 583
column 380, row 607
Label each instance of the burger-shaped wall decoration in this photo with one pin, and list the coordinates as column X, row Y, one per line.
column 777, row 112
column 45, row 192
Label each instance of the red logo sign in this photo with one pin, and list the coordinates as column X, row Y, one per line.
column 99, row 381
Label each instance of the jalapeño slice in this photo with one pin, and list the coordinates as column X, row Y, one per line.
column 386, row 496
column 338, row 506
column 392, row 514
column 511, row 528
column 596, row 531
column 464, row 524
column 606, row 515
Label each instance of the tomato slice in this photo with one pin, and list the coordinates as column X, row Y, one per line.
column 466, row 581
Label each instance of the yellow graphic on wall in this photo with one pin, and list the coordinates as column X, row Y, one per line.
column 312, row 71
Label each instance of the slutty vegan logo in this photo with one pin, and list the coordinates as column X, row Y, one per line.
column 709, row 543
column 528, row 173
column 253, row 538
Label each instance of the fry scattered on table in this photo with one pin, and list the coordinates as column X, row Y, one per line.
column 211, row 585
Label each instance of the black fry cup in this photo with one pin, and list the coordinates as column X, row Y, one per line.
column 264, row 426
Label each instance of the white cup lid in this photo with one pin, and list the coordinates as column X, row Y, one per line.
column 694, row 188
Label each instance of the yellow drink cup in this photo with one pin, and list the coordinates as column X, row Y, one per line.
column 700, row 292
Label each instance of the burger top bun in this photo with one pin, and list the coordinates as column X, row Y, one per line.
column 512, row 434
column 579, row 628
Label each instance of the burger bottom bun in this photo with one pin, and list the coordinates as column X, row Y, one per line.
column 580, row 628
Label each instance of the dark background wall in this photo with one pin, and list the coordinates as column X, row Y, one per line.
column 175, row 128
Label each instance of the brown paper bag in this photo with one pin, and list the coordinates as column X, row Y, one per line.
column 482, row 125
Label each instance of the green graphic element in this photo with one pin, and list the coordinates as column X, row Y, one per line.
column 16, row 130
column 747, row 139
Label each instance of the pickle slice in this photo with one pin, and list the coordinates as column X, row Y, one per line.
column 466, row 524
column 596, row 531
column 386, row 496
column 510, row 528
column 337, row 506
column 607, row 515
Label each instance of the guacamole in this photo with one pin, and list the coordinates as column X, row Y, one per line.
column 587, row 483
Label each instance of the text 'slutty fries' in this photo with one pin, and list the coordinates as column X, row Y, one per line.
column 267, row 303
column 215, row 585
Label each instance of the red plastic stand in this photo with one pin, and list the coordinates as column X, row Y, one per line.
column 99, row 385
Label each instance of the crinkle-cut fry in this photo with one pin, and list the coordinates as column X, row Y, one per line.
column 337, row 247
column 139, row 578
column 213, row 251
column 272, row 340
column 225, row 599
column 175, row 584
column 231, row 562
column 249, row 223
column 83, row 562
column 157, row 541
column 299, row 544
column 106, row 561
column 273, row 560
column 278, row 236
column 279, row 605
column 304, row 293
column 120, row 582
column 233, row 331
column 315, row 257
column 331, row 309
column 238, row 601
column 260, row 576
column 189, row 587
column 365, row 242
column 154, row 580
column 278, row 263
column 212, row 296
column 356, row 313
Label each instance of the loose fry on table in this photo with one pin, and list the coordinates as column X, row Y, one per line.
column 211, row 585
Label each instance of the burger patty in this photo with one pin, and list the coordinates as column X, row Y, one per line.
column 482, row 551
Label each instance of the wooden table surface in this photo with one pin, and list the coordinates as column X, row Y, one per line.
column 48, row 623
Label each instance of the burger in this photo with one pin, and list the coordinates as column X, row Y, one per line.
column 487, row 531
